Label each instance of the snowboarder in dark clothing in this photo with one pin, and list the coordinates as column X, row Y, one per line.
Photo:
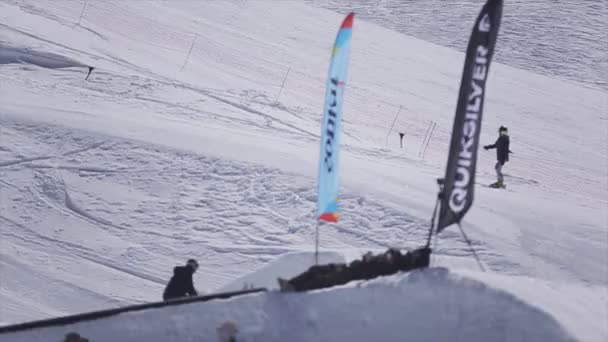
column 370, row 266
column 502, row 155
column 181, row 284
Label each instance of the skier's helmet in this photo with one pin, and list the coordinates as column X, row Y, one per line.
column 502, row 129
column 192, row 263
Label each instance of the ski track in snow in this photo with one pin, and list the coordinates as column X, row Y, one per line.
column 24, row 160
column 189, row 205
column 191, row 197
column 41, row 242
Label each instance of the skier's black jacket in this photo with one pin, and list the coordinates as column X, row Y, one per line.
column 180, row 284
column 502, row 148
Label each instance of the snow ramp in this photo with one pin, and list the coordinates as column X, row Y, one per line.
column 285, row 266
column 9, row 55
column 434, row 304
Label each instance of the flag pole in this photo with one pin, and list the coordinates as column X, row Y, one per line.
column 439, row 196
column 428, row 240
column 317, row 243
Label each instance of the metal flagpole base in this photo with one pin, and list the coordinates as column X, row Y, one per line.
column 317, row 244
column 432, row 228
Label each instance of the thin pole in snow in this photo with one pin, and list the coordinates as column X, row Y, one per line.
column 434, row 216
column 82, row 12
column 426, row 134
column 431, row 229
column 282, row 85
column 317, row 243
column 189, row 52
column 428, row 140
column 393, row 124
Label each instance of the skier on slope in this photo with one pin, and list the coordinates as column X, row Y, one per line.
column 181, row 284
column 502, row 155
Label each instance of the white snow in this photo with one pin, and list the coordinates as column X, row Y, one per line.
column 106, row 184
column 433, row 305
column 285, row 266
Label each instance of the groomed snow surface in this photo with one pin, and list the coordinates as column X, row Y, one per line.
column 197, row 136
column 431, row 305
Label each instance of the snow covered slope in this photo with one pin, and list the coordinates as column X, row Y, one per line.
column 184, row 143
column 285, row 266
column 430, row 305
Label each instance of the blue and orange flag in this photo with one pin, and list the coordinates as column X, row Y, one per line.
column 331, row 127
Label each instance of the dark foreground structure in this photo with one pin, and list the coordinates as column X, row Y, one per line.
column 368, row 267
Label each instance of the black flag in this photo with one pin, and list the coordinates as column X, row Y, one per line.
column 459, row 181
